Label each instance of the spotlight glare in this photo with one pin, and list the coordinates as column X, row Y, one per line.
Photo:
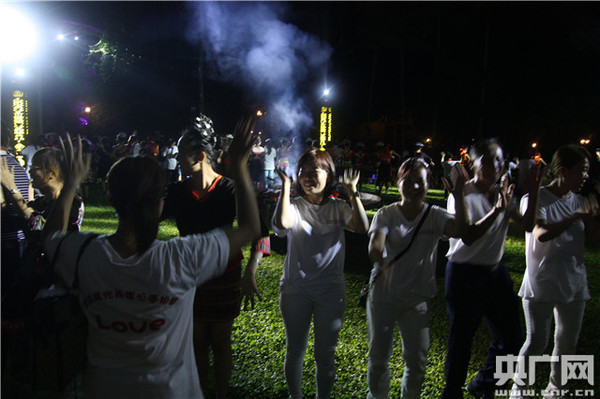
column 20, row 72
column 87, row 110
column 326, row 92
column 18, row 35
column 60, row 36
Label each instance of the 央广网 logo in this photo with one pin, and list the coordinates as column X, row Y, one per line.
column 522, row 370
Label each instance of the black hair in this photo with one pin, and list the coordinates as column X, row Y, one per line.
column 566, row 157
column 412, row 163
column 323, row 160
column 480, row 147
column 200, row 137
column 49, row 159
column 136, row 184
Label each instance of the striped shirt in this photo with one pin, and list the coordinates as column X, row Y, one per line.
column 22, row 182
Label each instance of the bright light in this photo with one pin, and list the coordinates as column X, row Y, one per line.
column 428, row 140
column 87, row 110
column 533, row 145
column 326, row 92
column 76, row 38
column 20, row 72
column 60, row 36
column 584, row 141
column 18, row 36
column 259, row 113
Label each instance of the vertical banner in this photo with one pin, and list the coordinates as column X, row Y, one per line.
column 20, row 122
column 325, row 127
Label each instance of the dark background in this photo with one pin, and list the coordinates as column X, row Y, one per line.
column 401, row 71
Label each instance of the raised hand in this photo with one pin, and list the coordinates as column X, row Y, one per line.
column 459, row 177
column 533, row 179
column 243, row 140
column 7, row 175
column 76, row 165
column 285, row 179
column 349, row 180
column 505, row 193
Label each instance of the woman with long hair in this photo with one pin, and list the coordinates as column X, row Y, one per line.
column 137, row 292
column 402, row 294
column 313, row 282
column 555, row 281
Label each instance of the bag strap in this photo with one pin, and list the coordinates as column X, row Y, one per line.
column 412, row 239
column 79, row 254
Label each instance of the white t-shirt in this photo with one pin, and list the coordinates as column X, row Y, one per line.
column 170, row 155
column 489, row 248
column 140, row 312
column 315, row 247
column 413, row 275
column 269, row 159
column 555, row 269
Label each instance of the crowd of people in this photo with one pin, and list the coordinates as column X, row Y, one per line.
column 193, row 286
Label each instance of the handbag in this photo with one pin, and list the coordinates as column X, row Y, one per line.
column 50, row 351
column 364, row 292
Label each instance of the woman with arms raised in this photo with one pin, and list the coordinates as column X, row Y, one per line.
column 137, row 292
column 313, row 282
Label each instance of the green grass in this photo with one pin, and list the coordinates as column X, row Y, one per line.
column 259, row 339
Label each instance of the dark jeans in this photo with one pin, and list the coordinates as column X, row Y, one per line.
column 474, row 292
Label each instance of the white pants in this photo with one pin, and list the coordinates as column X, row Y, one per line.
column 413, row 320
column 297, row 310
column 568, row 318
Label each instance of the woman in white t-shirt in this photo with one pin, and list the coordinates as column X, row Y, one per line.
column 313, row 282
column 137, row 292
column 555, row 282
column 401, row 290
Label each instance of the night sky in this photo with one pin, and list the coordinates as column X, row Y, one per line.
column 521, row 71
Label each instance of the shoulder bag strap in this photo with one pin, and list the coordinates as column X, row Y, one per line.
column 412, row 239
column 79, row 254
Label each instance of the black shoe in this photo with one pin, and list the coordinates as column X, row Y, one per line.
column 478, row 392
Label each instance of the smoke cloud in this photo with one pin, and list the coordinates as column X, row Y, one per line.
column 249, row 44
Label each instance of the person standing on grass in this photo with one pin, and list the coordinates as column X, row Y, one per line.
column 313, row 282
column 555, row 282
column 403, row 289
column 269, row 165
column 170, row 161
column 202, row 201
column 140, row 332
column 478, row 284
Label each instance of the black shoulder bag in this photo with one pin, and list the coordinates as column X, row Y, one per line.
column 364, row 293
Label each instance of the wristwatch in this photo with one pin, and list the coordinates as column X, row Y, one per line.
column 15, row 191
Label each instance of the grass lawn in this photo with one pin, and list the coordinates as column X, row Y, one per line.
column 259, row 339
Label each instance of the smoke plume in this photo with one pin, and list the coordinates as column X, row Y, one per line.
column 249, row 44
